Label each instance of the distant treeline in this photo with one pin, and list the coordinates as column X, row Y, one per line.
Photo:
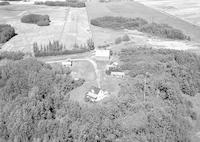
column 160, row 30
column 6, row 32
column 11, row 0
column 55, row 48
column 62, row 3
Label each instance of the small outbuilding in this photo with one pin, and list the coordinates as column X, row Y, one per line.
column 117, row 74
column 102, row 54
column 111, row 65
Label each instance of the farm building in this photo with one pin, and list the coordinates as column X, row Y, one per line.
column 112, row 65
column 102, row 54
column 95, row 94
column 67, row 63
column 118, row 74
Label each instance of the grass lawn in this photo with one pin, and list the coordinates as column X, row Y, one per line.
column 83, row 69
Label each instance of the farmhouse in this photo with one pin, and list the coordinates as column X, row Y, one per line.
column 102, row 54
column 95, row 94
column 118, row 74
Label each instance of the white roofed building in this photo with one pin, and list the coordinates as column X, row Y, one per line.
column 96, row 94
column 102, row 54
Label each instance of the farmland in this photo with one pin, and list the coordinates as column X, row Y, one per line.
column 134, row 82
column 134, row 9
column 66, row 26
column 187, row 10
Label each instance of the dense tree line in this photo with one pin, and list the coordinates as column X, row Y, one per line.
column 36, row 107
column 40, row 20
column 6, row 32
column 11, row 55
column 67, row 3
column 34, row 102
column 160, row 30
column 56, row 48
column 162, row 79
column 4, row 3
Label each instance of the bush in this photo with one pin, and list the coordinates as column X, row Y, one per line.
column 11, row 55
column 6, row 33
column 118, row 40
column 40, row 20
column 119, row 23
column 125, row 38
column 62, row 3
column 4, row 3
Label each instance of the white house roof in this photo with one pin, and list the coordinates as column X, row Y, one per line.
column 102, row 53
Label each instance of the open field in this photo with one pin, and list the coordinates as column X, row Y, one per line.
column 187, row 10
column 135, row 9
column 104, row 36
column 68, row 25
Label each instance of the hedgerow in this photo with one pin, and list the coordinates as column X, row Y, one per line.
column 4, row 3
column 11, row 55
column 40, row 20
column 160, row 30
column 56, row 48
column 62, row 3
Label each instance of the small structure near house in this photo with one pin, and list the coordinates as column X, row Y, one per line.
column 95, row 94
column 102, row 54
column 112, row 65
column 67, row 63
column 118, row 74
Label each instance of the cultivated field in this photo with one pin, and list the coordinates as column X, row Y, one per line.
column 135, row 9
column 68, row 25
column 187, row 10
column 132, row 10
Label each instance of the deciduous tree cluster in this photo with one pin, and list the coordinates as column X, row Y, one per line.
column 6, row 33
column 56, row 48
column 40, row 20
column 160, row 30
